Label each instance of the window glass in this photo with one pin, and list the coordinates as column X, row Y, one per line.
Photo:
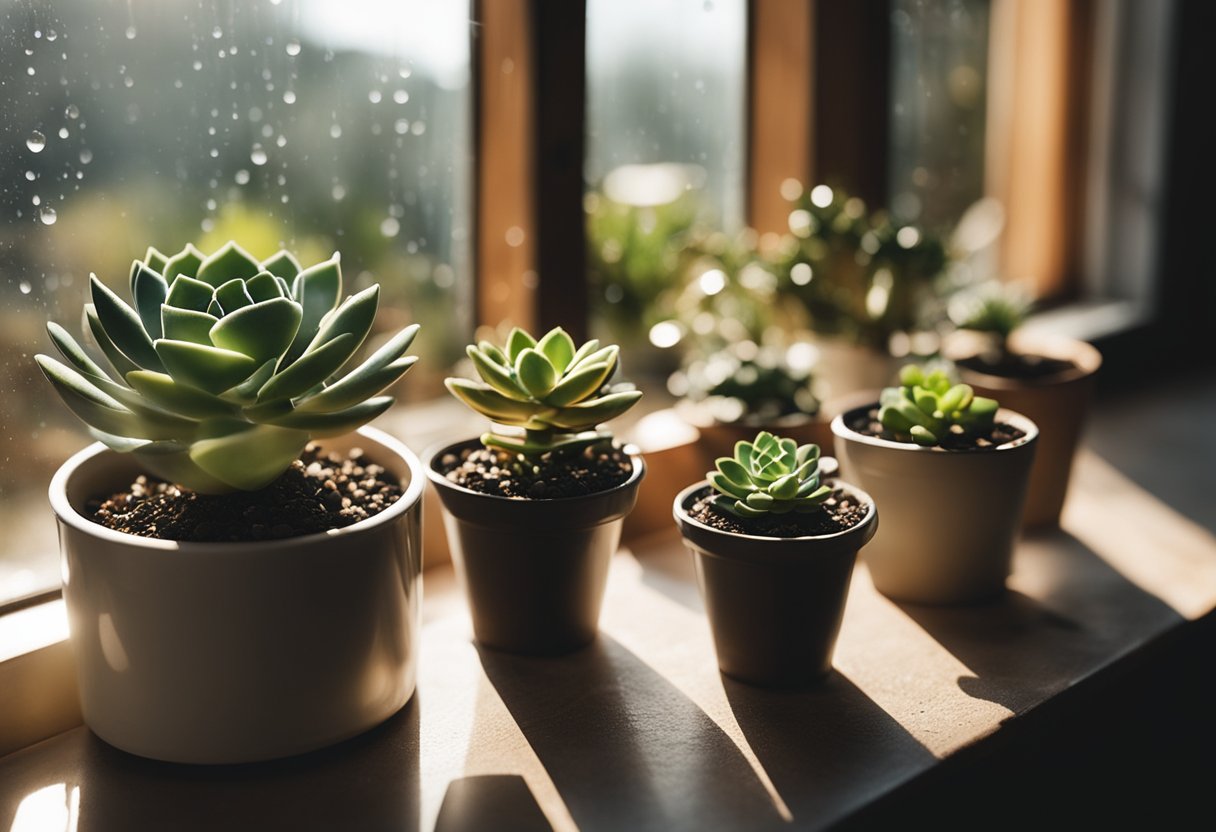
column 314, row 125
column 939, row 60
column 666, row 135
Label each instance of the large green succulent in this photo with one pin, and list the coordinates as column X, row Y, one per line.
column 224, row 367
column 547, row 387
column 927, row 408
column 769, row 475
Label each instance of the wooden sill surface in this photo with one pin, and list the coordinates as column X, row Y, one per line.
column 640, row 731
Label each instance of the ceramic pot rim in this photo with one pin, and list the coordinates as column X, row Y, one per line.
column 67, row 513
column 842, row 431
column 1084, row 355
column 734, row 540
column 435, row 452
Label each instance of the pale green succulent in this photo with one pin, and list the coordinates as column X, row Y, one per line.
column 769, row 475
column 927, row 408
column 224, row 367
column 547, row 387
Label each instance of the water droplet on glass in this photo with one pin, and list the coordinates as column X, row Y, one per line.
column 390, row 227
column 402, row 126
column 208, row 225
column 52, row 35
column 335, row 131
column 404, row 72
column 37, row 200
column 401, row 96
column 289, row 97
column 210, row 204
column 283, row 199
column 267, row 130
column 29, row 70
column 338, row 193
column 281, row 141
column 214, row 153
column 242, row 177
column 211, row 130
column 63, row 132
column 197, row 65
column 79, row 175
column 86, row 156
column 48, row 215
column 72, row 111
column 275, row 2
column 37, row 33
column 25, row 287
column 30, row 175
column 418, row 128
column 29, row 51
column 293, row 47
column 217, row 33
column 128, row 82
column 374, row 96
column 281, row 179
column 36, row 141
column 130, row 33
column 257, row 155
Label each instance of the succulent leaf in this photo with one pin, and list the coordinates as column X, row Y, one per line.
column 769, row 475
column 265, row 286
column 213, row 369
column 497, row 376
column 73, row 352
column 185, row 262
column 309, row 370
column 186, row 325
column 261, row 331
column 283, row 264
column 517, row 342
column 149, row 291
column 233, row 295
column 188, row 293
column 353, row 317
column 251, row 458
column 161, row 390
column 578, row 385
column 155, row 261
column 337, row 422
column 230, row 262
column 536, row 374
column 121, row 364
column 558, row 347
column 930, row 409
column 123, row 325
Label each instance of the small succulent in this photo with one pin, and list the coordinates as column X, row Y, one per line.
column 224, row 368
column 928, row 408
column 555, row 392
column 769, row 475
column 995, row 308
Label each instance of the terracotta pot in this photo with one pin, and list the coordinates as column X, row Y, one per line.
column 950, row 518
column 236, row 652
column 774, row 604
column 534, row 571
column 1058, row 404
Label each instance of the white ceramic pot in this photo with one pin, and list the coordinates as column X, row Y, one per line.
column 236, row 652
column 949, row 518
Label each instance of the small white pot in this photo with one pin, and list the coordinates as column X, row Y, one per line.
column 236, row 652
column 949, row 518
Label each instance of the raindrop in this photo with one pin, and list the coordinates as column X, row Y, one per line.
column 36, row 142
column 338, row 193
column 281, row 179
column 281, row 141
column 128, row 82
column 257, row 155
column 401, row 96
column 335, row 131
column 52, row 35
column 217, row 33
column 130, row 33
column 275, row 2
column 404, row 72
column 37, row 33
column 63, row 132
column 211, row 130
column 418, row 128
column 197, row 65
column 267, row 130
column 289, row 97
column 293, row 47
column 283, row 199
column 208, row 225
column 79, row 175
column 242, row 177
column 402, row 126
column 37, row 200
column 29, row 51
column 48, row 215
column 25, row 286
column 374, row 96
column 215, row 153
column 211, row 205
column 390, row 227
column 29, row 70
column 86, row 156
column 177, row 83
column 30, row 175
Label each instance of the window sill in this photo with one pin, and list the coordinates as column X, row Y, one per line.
column 640, row 731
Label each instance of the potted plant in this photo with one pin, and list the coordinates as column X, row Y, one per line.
column 1049, row 378
column 950, row 470
column 533, row 509
column 235, row 591
column 774, row 543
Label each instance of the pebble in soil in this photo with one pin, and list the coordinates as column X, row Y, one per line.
column 320, row 491
column 551, row 476
column 866, row 422
column 840, row 512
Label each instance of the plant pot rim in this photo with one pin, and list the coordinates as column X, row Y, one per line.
column 842, row 431
column 734, row 542
column 1086, row 358
column 436, row 451
column 68, row 514
column 693, row 413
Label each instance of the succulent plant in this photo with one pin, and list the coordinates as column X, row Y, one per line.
column 928, row 409
column 994, row 307
column 551, row 390
column 769, row 475
column 224, row 367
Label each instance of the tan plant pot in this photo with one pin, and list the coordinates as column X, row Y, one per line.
column 239, row 652
column 949, row 518
column 1058, row 404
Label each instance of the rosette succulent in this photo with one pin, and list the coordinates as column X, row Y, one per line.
column 769, row 475
column 551, row 390
column 223, row 368
column 928, row 409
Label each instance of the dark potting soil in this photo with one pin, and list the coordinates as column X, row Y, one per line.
column 555, row 475
column 1016, row 365
column 320, row 491
column 866, row 422
column 841, row 512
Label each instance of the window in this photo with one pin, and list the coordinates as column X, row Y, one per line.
column 313, row 125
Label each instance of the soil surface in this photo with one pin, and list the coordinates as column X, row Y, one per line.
column 552, row 476
column 1016, row 365
column 841, row 512
column 866, row 422
column 320, row 491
